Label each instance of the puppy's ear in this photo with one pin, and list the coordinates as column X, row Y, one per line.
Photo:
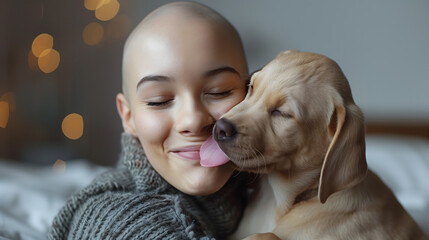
column 345, row 162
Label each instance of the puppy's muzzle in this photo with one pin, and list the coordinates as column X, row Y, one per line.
column 224, row 130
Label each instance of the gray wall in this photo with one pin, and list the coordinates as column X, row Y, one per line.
column 381, row 45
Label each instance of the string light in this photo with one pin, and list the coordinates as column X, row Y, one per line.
column 9, row 97
column 93, row 33
column 72, row 126
column 46, row 57
column 49, row 61
column 107, row 11
column 93, row 4
column 41, row 44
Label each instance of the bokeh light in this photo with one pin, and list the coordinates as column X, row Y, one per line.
column 119, row 27
column 49, row 61
column 93, row 4
column 59, row 166
column 72, row 126
column 4, row 113
column 9, row 97
column 42, row 44
column 93, row 33
column 107, row 11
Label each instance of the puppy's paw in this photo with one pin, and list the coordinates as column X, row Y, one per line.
column 262, row 236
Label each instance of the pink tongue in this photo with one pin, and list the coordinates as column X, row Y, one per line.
column 211, row 155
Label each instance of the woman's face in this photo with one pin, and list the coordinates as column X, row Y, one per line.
column 180, row 81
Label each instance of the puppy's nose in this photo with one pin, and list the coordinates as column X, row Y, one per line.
column 224, row 130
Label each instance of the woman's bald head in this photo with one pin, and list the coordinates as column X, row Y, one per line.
column 175, row 22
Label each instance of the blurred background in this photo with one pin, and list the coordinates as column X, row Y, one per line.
column 60, row 64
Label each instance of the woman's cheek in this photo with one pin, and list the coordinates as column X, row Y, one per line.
column 152, row 126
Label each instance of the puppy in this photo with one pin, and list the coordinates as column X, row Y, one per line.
column 301, row 130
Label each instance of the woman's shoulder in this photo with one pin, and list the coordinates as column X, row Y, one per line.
column 112, row 208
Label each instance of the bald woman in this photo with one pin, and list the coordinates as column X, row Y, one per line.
column 183, row 67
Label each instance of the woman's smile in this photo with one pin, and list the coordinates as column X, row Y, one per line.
column 188, row 152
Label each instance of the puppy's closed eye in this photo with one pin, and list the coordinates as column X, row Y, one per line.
column 278, row 113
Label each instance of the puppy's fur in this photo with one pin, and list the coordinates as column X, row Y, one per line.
column 300, row 128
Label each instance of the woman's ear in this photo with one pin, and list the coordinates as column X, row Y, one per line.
column 124, row 112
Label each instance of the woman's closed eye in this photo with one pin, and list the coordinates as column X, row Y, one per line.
column 160, row 103
column 219, row 94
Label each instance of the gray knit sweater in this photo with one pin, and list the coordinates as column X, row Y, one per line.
column 135, row 202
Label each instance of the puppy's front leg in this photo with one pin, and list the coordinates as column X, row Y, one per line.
column 262, row 236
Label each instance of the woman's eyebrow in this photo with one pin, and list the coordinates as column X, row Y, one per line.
column 155, row 78
column 220, row 70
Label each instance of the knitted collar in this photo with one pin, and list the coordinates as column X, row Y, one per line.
column 219, row 212
column 144, row 175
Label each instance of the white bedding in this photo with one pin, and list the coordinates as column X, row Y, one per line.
column 403, row 164
column 30, row 195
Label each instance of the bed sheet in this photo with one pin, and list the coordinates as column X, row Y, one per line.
column 403, row 164
column 31, row 195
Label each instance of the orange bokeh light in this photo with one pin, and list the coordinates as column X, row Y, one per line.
column 93, row 4
column 93, row 33
column 107, row 11
column 42, row 44
column 49, row 61
column 9, row 97
column 72, row 126
column 4, row 113
column 59, row 166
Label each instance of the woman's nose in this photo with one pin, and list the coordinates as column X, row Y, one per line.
column 193, row 118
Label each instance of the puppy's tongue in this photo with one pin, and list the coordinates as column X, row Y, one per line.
column 211, row 155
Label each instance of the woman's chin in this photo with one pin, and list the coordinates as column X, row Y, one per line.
column 205, row 181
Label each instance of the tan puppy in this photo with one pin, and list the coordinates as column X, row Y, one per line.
column 300, row 128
